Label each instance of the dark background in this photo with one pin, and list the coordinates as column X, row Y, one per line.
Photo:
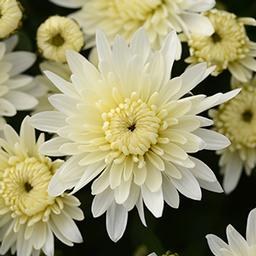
column 182, row 230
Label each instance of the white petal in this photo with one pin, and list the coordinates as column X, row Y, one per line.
column 187, row 185
column 153, row 200
column 202, row 171
column 82, row 68
column 67, row 227
column 51, row 147
column 122, row 191
column 11, row 43
column 249, row 63
column 211, row 186
column 63, row 85
column 89, row 174
column 21, row 100
column 171, row 196
column 103, row 47
column 213, row 140
column 191, row 78
column 66, row 177
column 74, row 212
column 201, row 6
column 251, row 228
column 154, row 178
column 197, row 23
column 102, row 202
column 240, row 72
column 48, row 121
column 27, row 135
column 63, row 103
column 7, row 108
column 20, row 60
column 39, row 235
column 216, row 244
column 116, row 221
column 140, row 208
column 171, row 50
column 232, row 172
column 237, row 243
column 48, row 248
column 140, row 44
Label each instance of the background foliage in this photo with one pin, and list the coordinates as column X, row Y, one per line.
column 181, row 230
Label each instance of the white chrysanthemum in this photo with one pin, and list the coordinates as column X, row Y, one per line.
column 125, row 17
column 29, row 216
column 236, row 119
column 58, row 34
column 127, row 122
column 228, row 48
column 17, row 91
column 49, row 88
column 237, row 245
column 10, row 18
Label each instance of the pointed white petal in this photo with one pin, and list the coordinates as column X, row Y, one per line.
column 251, row 228
column 232, row 172
column 213, row 140
column 116, row 221
column 216, row 244
column 171, row 196
column 187, row 185
column 237, row 243
column 153, row 200
column 102, row 202
column 48, row 121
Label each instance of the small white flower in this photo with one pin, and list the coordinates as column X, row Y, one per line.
column 237, row 245
column 227, row 48
column 17, row 91
column 126, row 17
column 130, row 123
column 29, row 216
column 58, row 34
column 236, row 119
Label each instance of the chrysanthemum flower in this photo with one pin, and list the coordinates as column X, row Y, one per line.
column 125, row 17
column 17, row 92
column 10, row 18
column 132, row 125
column 236, row 119
column 237, row 245
column 228, row 47
column 62, row 70
column 29, row 216
column 58, row 34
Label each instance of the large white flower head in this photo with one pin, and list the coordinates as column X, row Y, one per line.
column 228, row 47
column 237, row 245
column 236, row 119
column 29, row 216
column 128, row 122
column 125, row 17
column 17, row 91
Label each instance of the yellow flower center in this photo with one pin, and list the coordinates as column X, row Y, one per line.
column 228, row 44
column 132, row 127
column 24, row 187
column 237, row 119
column 57, row 40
